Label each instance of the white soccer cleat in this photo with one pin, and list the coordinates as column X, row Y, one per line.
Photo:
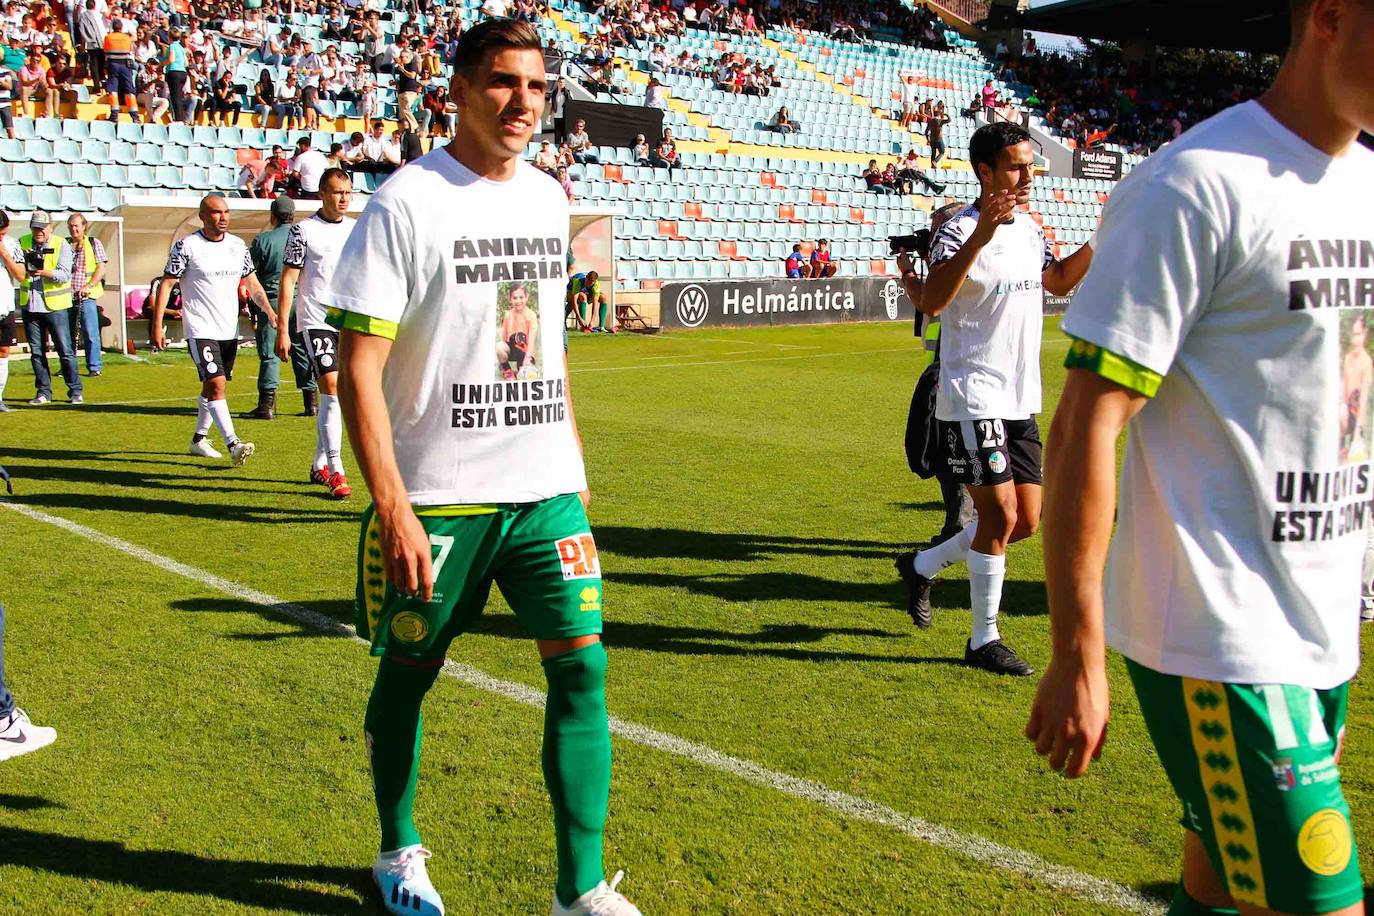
column 241, row 451
column 20, row 736
column 404, row 882
column 602, row 900
column 203, row 449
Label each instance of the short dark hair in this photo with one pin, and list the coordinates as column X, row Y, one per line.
column 493, row 35
column 990, row 139
column 303, row 142
column 333, row 174
column 4, row 220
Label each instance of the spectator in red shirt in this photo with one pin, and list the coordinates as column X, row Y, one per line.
column 796, row 264
column 821, row 265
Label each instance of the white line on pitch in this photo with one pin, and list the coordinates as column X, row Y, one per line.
column 980, row 849
column 684, row 337
column 762, row 359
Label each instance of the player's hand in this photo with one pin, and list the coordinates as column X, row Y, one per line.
column 272, row 320
column 283, row 346
column 586, row 497
column 998, row 208
column 904, row 263
column 158, row 338
column 1068, row 720
column 406, row 553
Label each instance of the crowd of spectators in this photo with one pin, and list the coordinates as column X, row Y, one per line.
column 1098, row 97
column 900, row 176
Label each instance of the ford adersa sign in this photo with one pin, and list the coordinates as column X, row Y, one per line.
column 1098, row 164
column 761, row 302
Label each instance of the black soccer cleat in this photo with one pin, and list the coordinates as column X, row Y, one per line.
column 998, row 658
column 917, row 590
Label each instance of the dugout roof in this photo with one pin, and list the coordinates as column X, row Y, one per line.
column 1232, row 25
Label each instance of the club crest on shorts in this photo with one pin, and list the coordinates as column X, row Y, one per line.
column 997, row 462
column 1284, row 776
column 409, row 626
column 577, row 557
column 1324, row 842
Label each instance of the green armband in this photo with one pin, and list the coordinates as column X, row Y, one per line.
column 1125, row 372
column 363, row 324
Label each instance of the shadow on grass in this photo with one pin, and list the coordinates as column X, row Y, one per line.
column 162, row 480
column 187, row 409
column 27, row 802
column 229, row 512
column 260, row 884
column 785, row 641
column 654, row 543
column 66, row 454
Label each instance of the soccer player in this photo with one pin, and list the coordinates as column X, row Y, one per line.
column 17, row 734
column 474, row 479
column 312, row 252
column 584, row 290
column 1213, row 326
column 988, row 265
column 12, row 260
column 209, row 264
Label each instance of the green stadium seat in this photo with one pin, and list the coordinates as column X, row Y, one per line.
column 48, row 129
column 276, row 137
column 27, row 173
column 226, row 156
column 150, row 154
column 11, row 150
column 170, row 177
column 16, row 198
column 254, row 137
column 77, row 200
column 129, row 133
column 6, row 174
column 68, row 151
column 176, row 155
column 95, row 152
column 179, row 134
column 105, row 199
column 57, row 175
column 123, row 153
column 197, row 177
column 223, row 177
column 201, row 155
column 86, row 174
column 48, row 198
column 39, row 151
column 204, row 136
column 103, row 130
column 114, row 176
column 142, row 176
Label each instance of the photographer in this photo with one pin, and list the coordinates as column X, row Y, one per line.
column 924, row 447
column 45, row 299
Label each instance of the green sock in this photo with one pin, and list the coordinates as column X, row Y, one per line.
column 577, row 765
column 393, row 726
column 1184, row 905
column 604, row 308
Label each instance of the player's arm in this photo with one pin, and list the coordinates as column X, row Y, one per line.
column 286, row 300
column 1068, row 720
column 164, row 292
column 16, row 269
column 912, row 282
column 1060, row 277
column 259, row 297
column 585, row 495
column 95, row 278
column 405, row 545
column 946, row 278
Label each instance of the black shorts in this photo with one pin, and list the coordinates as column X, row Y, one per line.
column 213, row 358
column 9, row 334
column 324, row 350
column 983, row 453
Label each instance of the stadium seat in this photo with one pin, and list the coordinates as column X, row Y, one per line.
column 38, row 151
column 169, row 176
column 197, row 177
column 156, row 133
column 48, row 129
column 149, row 154
column 179, row 134
column 76, row 200
column 56, row 175
column 105, row 199
column 175, row 155
column 114, row 176
column 68, row 151
column 103, row 130
column 16, row 198
column 129, row 133
column 47, row 198
column 142, row 176
column 95, row 152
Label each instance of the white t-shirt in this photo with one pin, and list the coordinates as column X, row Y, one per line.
column 909, row 94
column 1235, row 263
column 210, row 273
column 313, row 245
column 436, row 257
column 990, row 332
column 311, row 164
column 7, row 303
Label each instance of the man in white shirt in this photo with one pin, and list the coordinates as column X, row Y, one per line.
column 209, row 265
column 457, row 262
column 375, row 158
column 307, row 167
column 12, row 260
column 990, row 268
column 1233, row 281
column 312, row 252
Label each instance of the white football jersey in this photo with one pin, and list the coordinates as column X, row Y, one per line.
column 313, row 246
column 210, row 273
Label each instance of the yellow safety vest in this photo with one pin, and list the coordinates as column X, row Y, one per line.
column 97, row 290
column 57, row 297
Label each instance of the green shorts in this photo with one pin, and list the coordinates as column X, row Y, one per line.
column 1255, row 768
column 541, row 555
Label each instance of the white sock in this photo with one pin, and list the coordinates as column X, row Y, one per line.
column 219, row 411
column 4, row 375
column 928, row 563
column 203, row 419
column 333, row 428
column 321, row 435
column 985, row 575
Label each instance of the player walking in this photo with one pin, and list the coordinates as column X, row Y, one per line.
column 1215, row 326
column 312, row 252
column 209, row 265
column 474, row 478
column 988, row 266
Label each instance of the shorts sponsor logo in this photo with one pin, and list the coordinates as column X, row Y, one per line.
column 1284, row 777
column 578, row 558
column 1324, row 842
column 691, row 306
column 409, row 626
column 997, row 462
column 891, row 294
column 591, row 598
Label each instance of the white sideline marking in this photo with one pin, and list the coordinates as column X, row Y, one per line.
column 914, row 348
column 1059, row 877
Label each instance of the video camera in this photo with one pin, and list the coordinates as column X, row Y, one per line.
column 33, row 259
column 917, row 243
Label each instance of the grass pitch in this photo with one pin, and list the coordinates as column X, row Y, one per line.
column 749, row 490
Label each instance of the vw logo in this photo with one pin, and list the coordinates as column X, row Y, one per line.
column 891, row 293
column 691, row 306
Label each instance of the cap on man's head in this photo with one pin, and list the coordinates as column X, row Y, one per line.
column 284, row 209
column 40, row 220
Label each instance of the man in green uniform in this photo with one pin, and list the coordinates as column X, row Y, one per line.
column 268, row 251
